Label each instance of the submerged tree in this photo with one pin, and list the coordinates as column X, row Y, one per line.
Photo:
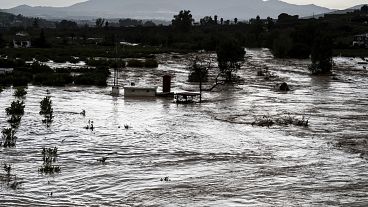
column 46, row 110
column 20, row 92
column 321, row 55
column 230, row 55
column 199, row 73
column 8, row 138
column 49, row 156
column 16, row 108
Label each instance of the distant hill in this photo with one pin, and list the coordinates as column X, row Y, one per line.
column 11, row 20
column 166, row 9
column 344, row 11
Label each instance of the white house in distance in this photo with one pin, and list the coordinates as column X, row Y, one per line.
column 6, row 70
column 22, row 40
column 361, row 40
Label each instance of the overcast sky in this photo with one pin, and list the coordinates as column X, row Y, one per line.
column 334, row 4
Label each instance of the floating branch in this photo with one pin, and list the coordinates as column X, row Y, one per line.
column 269, row 121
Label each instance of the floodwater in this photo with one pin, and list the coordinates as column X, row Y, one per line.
column 211, row 153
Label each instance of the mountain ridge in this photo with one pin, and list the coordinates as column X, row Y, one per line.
column 165, row 9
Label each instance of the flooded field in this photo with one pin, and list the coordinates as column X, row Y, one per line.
column 210, row 152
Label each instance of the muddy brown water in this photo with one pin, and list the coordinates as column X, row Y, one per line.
column 209, row 151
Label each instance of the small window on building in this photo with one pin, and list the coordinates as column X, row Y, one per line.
column 148, row 91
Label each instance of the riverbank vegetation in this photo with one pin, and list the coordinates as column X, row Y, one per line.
column 287, row 36
column 15, row 112
column 40, row 74
column 106, row 46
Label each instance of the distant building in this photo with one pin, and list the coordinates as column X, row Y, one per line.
column 22, row 40
column 6, row 70
column 361, row 40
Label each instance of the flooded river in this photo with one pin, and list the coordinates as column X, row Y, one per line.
column 210, row 152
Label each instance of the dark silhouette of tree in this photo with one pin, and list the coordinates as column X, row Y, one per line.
column 2, row 41
column 41, row 41
column 149, row 24
column 106, row 24
column 235, row 20
column 364, row 9
column 66, row 24
column 183, row 21
column 129, row 22
column 207, row 20
column 270, row 23
column 222, row 21
column 257, row 29
column 216, row 19
column 321, row 55
column 36, row 23
column 100, row 22
column 230, row 55
column 281, row 46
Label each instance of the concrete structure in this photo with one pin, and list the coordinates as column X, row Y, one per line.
column 361, row 40
column 115, row 91
column 22, row 40
column 166, row 84
column 134, row 91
